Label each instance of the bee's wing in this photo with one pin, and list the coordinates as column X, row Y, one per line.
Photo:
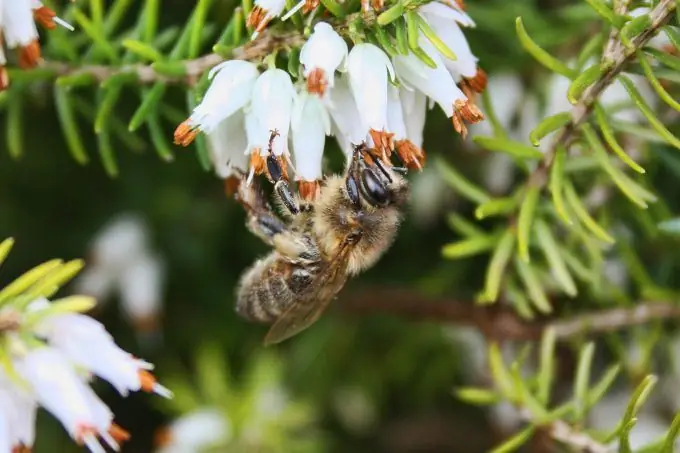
column 309, row 307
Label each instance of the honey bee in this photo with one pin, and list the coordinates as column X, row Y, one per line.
column 349, row 225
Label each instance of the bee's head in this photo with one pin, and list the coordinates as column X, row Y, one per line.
column 374, row 184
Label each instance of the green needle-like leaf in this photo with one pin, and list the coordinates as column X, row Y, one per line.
column 459, row 183
column 469, row 247
column 541, row 55
column 552, row 254
column 533, row 286
column 507, row 146
column 585, row 79
column 497, row 266
column 584, row 216
column 610, row 139
column 526, row 219
column 546, row 369
column 648, row 112
column 5, row 248
column 69, row 125
column 582, row 381
column 548, row 126
column 150, row 101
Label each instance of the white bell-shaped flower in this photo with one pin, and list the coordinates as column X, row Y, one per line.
column 345, row 113
column 62, row 392
column 438, row 84
column 324, row 52
column 310, row 125
column 18, row 26
column 412, row 156
column 272, row 105
column 369, row 68
column 230, row 90
column 414, row 105
column 17, row 415
column 6, row 444
column 446, row 22
column 226, row 144
column 263, row 12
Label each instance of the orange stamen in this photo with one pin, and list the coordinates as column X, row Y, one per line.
column 45, row 17
column 412, row 156
column 465, row 112
column 119, row 434
column 258, row 19
column 309, row 190
column 310, row 5
column 317, row 81
column 29, row 55
column 478, row 81
column 185, row 133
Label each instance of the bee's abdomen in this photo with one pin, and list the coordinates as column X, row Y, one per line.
column 266, row 291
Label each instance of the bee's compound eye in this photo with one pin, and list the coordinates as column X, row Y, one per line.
column 373, row 188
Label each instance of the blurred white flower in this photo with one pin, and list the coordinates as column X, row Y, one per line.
column 122, row 262
column 86, row 343
column 355, row 409
column 430, row 197
column 195, row 432
column 324, row 53
column 140, row 291
column 52, row 356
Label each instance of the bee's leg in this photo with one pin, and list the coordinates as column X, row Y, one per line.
column 281, row 185
column 262, row 221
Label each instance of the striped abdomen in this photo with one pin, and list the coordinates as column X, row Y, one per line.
column 269, row 287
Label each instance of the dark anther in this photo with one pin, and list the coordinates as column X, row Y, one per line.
column 383, row 169
column 353, row 190
column 274, row 168
column 281, row 188
column 400, row 170
column 373, row 189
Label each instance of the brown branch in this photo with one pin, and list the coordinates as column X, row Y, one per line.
column 264, row 45
column 498, row 322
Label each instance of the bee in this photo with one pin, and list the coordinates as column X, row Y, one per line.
column 349, row 225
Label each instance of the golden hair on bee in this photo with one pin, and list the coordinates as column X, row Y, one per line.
column 349, row 225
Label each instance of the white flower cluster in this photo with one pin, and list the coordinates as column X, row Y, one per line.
column 374, row 99
column 17, row 23
column 52, row 358
column 122, row 261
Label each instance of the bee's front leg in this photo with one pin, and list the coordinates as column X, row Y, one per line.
column 262, row 221
column 281, row 185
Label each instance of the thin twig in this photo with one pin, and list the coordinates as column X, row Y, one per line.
column 255, row 50
column 580, row 441
column 498, row 322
